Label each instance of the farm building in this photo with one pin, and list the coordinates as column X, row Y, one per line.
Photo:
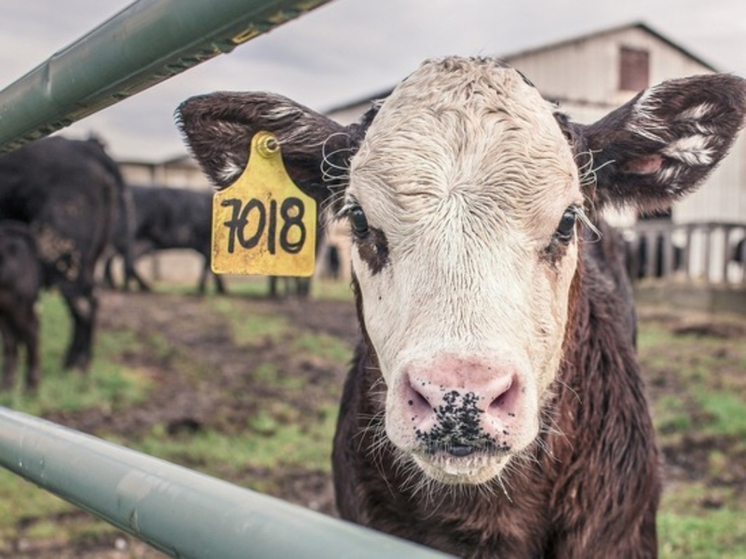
column 181, row 171
column 589, row 76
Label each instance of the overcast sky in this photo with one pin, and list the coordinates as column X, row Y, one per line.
column 348, row 49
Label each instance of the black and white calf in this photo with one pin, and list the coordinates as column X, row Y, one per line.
column 495, row 405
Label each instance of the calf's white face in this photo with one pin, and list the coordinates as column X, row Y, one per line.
column 455, row 198
column 463, row 195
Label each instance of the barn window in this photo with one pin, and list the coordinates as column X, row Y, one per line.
column 633, row 69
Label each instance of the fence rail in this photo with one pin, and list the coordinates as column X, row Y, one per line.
column 144, row 44
column 713, row 253
column 178, row 511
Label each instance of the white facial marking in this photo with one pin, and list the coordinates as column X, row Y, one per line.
column 467, row 175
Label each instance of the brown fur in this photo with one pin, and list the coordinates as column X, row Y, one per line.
column 589, row 489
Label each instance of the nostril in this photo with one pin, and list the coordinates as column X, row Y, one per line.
column 503, row 395
column 500, row 401
column 418, row 403
column 417, row 400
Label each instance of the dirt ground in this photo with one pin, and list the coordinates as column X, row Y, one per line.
column 228, row 396
column 709, row 357
column 223, row 399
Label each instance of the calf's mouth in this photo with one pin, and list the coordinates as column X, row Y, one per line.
column 462, row 464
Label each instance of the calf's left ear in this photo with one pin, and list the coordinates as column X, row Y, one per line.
column 218, row 128
column 663, row 143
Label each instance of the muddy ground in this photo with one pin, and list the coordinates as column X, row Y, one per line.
column 229, row 395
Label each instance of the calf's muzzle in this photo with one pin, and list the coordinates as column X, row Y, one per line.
column 459, row 406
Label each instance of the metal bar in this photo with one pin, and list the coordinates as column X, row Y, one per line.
column 180, row 512
column 668, row 253
column 707, row 236
column 742, row 255
column 144, row 44
column 726, row 253
column 687, row 256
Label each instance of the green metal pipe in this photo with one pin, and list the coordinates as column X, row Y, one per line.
column 178, row 511
column 144, row 44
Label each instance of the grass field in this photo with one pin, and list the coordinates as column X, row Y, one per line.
column 247, row 390
column 697, row 379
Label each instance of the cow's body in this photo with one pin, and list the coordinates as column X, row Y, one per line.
column 66, row 191
column 170, row 218
column 20, row 281
column 590, row 482
column 495, row 407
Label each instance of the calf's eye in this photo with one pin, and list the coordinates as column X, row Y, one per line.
column 359, row 222
column 566, row 228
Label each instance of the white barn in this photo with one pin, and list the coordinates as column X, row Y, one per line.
column 592, row 74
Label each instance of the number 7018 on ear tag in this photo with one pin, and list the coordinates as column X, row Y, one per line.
column 263, row 223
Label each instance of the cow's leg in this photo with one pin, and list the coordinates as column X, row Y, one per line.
column 137, row 250
column 142, row 285
column 219, row 284
column 202, row 287
column 304, row 287
column 83, row 304
column 273, row 287
column 10, row 353
column 108, row 275
column 29, row 334
column 127, row 277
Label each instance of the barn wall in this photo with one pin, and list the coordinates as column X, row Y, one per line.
column 584, row 76
column 181, row 175
column 723, row 197
column 587, row 71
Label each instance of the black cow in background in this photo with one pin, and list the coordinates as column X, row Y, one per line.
column 66, row 191
column 20, row 281
column 168, row 218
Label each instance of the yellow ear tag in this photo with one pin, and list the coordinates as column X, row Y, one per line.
column 263, row 223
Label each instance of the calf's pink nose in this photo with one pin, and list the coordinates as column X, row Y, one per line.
column 455, row 410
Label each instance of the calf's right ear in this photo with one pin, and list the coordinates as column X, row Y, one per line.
column 218, row 128
column 663, row 143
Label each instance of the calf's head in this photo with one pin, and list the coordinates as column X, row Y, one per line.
column 466, row 193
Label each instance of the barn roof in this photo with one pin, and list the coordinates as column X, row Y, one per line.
column 550, row 46
column 609, row 31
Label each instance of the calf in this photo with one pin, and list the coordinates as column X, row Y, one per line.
column 168, row 218
column 65, row 190
column 495, row 406
column 20, row 280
